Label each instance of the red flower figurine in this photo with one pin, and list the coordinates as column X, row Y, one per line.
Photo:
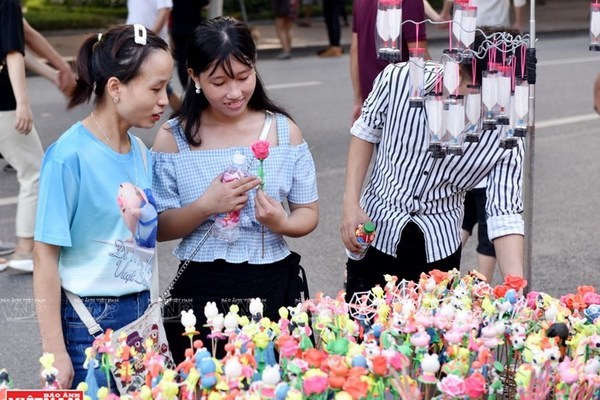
column 260, row 148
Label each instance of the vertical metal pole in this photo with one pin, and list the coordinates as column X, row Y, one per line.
column 529, row 164
column 215, row 8
column 243, row 11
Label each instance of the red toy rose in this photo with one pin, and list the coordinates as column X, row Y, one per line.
column 260, row 148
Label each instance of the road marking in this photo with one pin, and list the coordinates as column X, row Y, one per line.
column 293, row 85
column 7, row 201
column 567, row 61
column 565, row 121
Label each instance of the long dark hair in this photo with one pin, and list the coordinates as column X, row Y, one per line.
column 214, row 44
column 113, row 53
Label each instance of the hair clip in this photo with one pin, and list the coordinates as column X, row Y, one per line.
column 99, row 37
column 139, row 34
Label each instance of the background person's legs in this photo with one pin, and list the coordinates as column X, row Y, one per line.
column 25, row 153
column 331, row 12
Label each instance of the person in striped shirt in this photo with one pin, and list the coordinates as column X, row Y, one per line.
column 416, row 200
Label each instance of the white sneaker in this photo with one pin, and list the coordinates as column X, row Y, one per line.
column 3, row 264
column 21, row 262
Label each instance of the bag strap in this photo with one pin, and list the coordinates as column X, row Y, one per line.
column 143, row 150
column 165, row 298
column 86, row 317
column 266, row 126
column 304, row 289
column 88, row 320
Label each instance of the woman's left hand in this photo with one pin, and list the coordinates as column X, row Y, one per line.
column 269, row 212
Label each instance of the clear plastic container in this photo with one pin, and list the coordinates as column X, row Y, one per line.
column 227, row 225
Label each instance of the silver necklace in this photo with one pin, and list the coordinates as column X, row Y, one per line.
column 102, row 132
column 113, row 147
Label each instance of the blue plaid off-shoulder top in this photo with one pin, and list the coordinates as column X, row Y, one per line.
column 180, row 178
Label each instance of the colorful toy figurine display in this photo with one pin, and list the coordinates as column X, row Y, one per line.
column 446, row 336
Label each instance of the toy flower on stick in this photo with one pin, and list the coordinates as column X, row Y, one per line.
column 260, row 148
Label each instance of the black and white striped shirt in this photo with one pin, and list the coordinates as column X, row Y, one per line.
column 408, row 184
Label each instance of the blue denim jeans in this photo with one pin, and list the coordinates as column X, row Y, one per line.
column 109, row 312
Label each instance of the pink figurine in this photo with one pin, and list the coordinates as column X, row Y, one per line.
column 420, row 340
column 490, row 339
column 569, row 374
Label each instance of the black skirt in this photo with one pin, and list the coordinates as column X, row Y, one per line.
column 227, row 284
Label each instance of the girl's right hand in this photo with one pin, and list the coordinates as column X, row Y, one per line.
column 222, row 197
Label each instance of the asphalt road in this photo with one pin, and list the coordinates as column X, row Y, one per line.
column 318, row 94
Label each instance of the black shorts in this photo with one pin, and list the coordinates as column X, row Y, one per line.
column 475, row 214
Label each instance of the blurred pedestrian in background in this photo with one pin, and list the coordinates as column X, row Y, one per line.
column 19, row 141
column 493, row 12
column 285, row 13
column 186, row 15
column 305, row 12
column 154, row 15
column 55, row 69
column 331, row 12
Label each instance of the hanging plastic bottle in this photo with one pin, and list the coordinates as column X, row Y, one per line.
column 467, row 33
column 473, row 113
column 451, row 77
column 395, row 21
column 416, row 72
column 434, row 108
column 489, row 99
column 504, row 81
column 365, row 234
column 455, row 124
column 463, row 25
column 507, row 134
column 382, row 27
column 457, row 16
column 595, row 26
column 226, row 227
column 521, row 107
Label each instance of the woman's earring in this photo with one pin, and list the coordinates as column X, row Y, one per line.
column 198, row 88
column 116, row 99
